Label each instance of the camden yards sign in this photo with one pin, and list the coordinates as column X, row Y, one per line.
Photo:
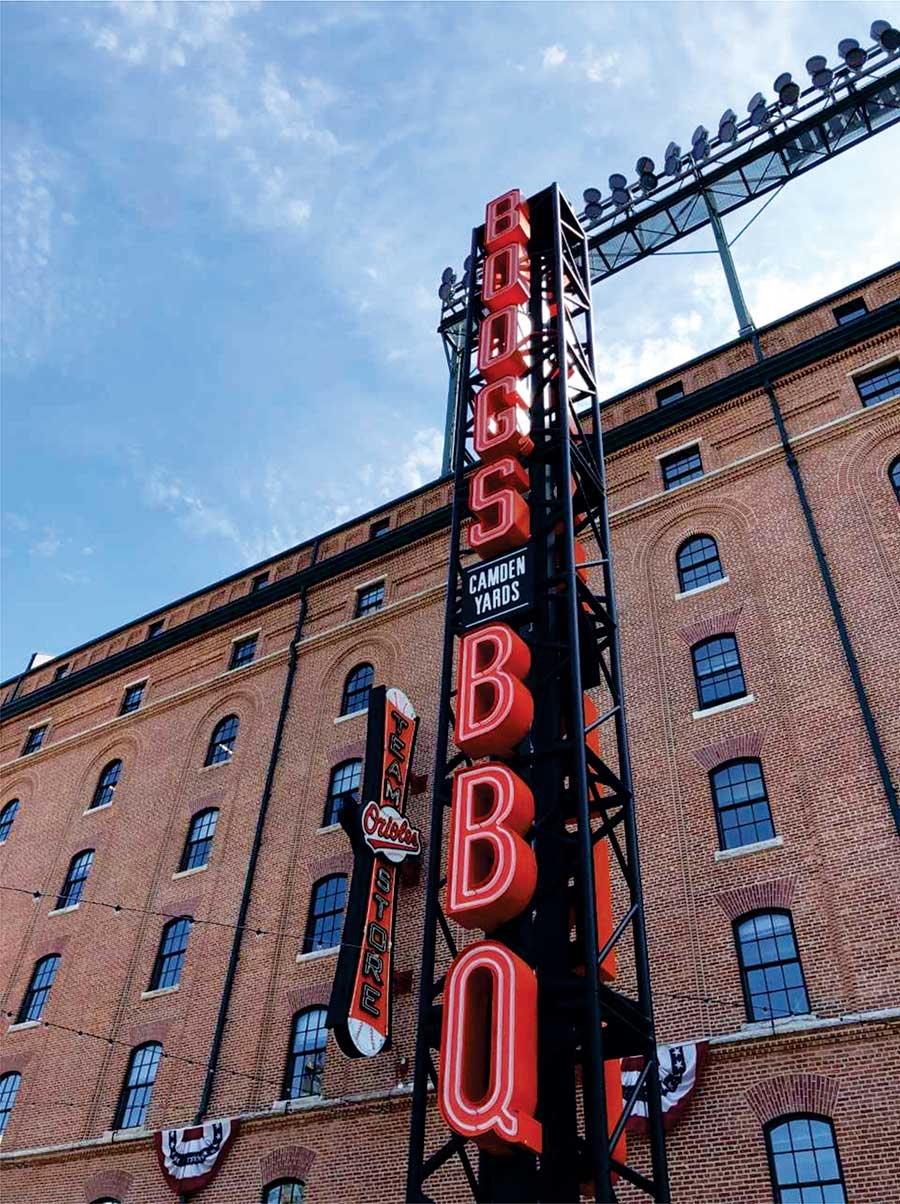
column 497, row 587
column 382, row 837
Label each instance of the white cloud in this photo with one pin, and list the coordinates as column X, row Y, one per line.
column 553, row 56
column 420, row 463
column 601, row 68
column 48, row 545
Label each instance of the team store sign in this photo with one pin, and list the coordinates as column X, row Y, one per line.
column 488, row 1085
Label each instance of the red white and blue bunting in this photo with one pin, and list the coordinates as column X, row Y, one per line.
column 190, row 1157
column 680, row 1067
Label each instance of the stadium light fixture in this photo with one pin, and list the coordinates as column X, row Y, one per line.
column 788, row 91
column 618, row 186
column 819, row 72
column 646, row 170
column 673, row 159
column 884, row 32
column 852, row 53
column 592, row 203
column 728, row 126
column 700, row 143
column 756, row 107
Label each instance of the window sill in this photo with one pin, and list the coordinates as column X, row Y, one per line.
column 317, row 953
column 725, row 706
column 126, row 1134
column 352, row 715
column 160, row 991
column 758, row 846
column 328, row 828
column 782, row 1024
column 196, row 869
column 99, row 807
column 216, row 765
column 61, row 911
column 701, row 589
column 22, row 1024
column 298, row 1104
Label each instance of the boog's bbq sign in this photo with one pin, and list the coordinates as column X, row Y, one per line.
column 382, row 837
column 488, row 1082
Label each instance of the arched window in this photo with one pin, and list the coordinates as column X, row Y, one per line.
column 138, row 1086
column 771, row 973
column 9, row 1089
column 306, row 1054
column 199, row 840
column 7, row 815
column 326, row 913
column 698, row 563
column 38, row 989
column 284, row 1191
column 106, row 785
column 742, row 807
column 73, row 886
column 343, row 787
column 221, row 745
column 803, row 1160
column 356, row 689
column 717, row 671
column 170, row 956
column 894, row 474
column 105, row 1200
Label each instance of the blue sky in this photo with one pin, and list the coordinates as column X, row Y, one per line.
column 224, row 226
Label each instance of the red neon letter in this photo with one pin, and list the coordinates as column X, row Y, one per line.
column 502, row 420
column 506, row 221
column 488, row 1081
column 506, row 277
column 502, row 521
column 492, row 871
column 494, row 708
column 504, row 344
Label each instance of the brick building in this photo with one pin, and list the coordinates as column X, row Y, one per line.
column 139, row 770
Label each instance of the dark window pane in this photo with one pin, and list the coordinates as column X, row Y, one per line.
column 170, row 957
column 380, row 527
column 879, row 384
column 356, row 689
column 765, row 988
column 138, row 1086
column 804, row 1162
column 38, row 989
column 260, row 581
column 7, row 815
column 717, row 671
column 670, row 393
column 306, row 1056
column 106, row 785
column 9, row 1089
column 343, row 787
column 698, row 563
column 285, row 1191
column 680, row 467
column 850, row 311
column 73, row 886
column 732, row 785
column 132, row 699
column 370, row 599
column 221, row 745
column 155, row 628
column 242, row 652
column 326, row 913
column 61, row 672
column 199, row 840
column 894, row 473
column 34, row 740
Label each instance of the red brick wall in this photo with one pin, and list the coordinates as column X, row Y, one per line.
column 836, row 868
